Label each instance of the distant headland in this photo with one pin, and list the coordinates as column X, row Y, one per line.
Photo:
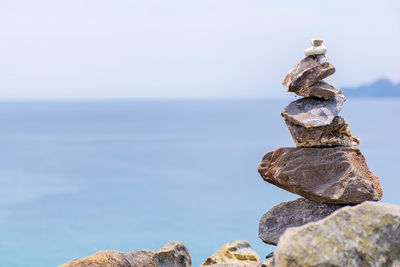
column 380, row 88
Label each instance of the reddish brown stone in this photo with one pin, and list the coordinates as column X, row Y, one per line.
column 305, row 73
column 319, row 89
column 329, row 175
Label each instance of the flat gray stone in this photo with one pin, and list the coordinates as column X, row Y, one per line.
column 335, row 134
column 313, row 112
column 364, row 235
column 319, row 89
column 295, row 213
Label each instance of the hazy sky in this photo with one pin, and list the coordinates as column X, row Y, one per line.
column 187, row 48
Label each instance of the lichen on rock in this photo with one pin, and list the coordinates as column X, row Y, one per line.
column 235, row 253
column 364, row 235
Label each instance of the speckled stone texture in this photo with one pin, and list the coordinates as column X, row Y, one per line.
column 313, row 112
column 328, row 175
column 295, row 213
column 364, row 235
column 335, row 134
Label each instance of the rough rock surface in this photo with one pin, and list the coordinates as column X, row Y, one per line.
column 235, row 265
column 364, row 235
column 335, row 134
column 115, row 258
column 173, row 254
column 319, row 89
column 235, row 253
column 329, row 175
column 313, row 112
column 266, row 263
column 291, row 214
column 305, row 73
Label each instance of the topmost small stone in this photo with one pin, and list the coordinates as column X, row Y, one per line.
column 317, row 48
column 316, row 42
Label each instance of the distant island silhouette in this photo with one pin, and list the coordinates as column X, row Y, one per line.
column 380, row 88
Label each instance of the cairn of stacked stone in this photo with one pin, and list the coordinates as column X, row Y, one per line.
column 325, row 168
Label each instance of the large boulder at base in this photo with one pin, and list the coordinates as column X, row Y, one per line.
column 305, row 73
column 313, row 112
column 173, row 254
column 235, row 253
column 329, row 175
column 335, row 134
column 364, row 235
column 291, row 214
column 319, row 89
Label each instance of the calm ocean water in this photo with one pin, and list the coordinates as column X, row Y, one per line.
column 78, row 177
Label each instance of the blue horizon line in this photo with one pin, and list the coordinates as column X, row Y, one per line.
column 127, row 99
column 165, row 99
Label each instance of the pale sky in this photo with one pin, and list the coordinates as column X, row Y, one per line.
column 187, row 48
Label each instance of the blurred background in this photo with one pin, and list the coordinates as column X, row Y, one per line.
column 127, row 124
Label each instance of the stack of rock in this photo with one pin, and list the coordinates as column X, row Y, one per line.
column 325, row 167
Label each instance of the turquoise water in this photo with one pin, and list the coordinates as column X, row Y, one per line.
column 78, row 177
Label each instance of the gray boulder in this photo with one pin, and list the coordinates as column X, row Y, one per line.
column 173, row 254
column 313, row 112
column 291, row 214
column 364, row 235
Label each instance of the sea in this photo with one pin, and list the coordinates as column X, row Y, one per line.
column 77, row 177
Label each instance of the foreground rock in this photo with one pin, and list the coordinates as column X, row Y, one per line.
column 335, row 134
column 173, row 254
column 313, row 112
column 235, row 253
column 329, row 175
column 266, row 263
column 365, row 235
column 291, row 214
column 305, row 73
column 319, row 89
